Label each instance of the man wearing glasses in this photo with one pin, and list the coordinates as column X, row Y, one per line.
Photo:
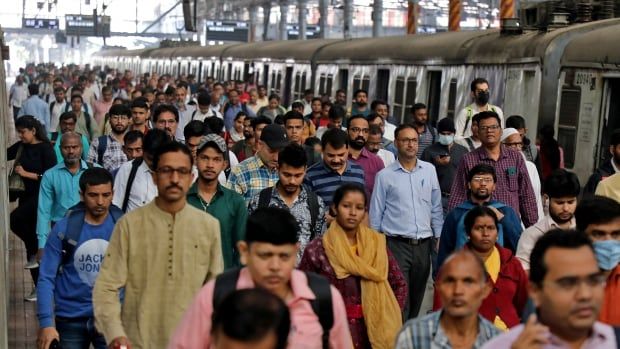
column 481, row 94
column 161, row 255
column 513, row 186
column 107, row 150
column 358, row 136
column 567, row 288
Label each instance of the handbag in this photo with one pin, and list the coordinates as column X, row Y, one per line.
column 16, row 182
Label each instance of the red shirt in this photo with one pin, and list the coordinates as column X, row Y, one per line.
column 610, row 312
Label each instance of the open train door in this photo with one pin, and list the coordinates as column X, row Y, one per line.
column 610, row 117
column 288, row 83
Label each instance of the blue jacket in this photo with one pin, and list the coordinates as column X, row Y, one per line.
column 70, row 291
column 453, row 235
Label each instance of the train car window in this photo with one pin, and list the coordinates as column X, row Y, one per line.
column 357, row 82
column 568, row 123
column 322, row 84
column 434, row 95
column 303, row 84
column 343, row 74
column 296, row 93
column 383, row 81
column 366, row 83
column 229, row 71
column 410, row 93
column 266, row 75
column 452, row 99
column 246, row 70
column 273, row 82
column 279, row 84
column 328, row 84
column 399, row 93
column 286, row 91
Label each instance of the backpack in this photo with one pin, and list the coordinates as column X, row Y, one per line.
column 101, row 148
column 264, row 199
column 75, row 223
column 132, row 176
column 226, row 283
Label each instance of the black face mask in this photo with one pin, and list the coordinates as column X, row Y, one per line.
column 482, row 98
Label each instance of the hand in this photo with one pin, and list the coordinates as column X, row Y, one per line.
column 442, row 160
column 534, row 335
column 497, row 213
column 436, row 244
column 120, row 343
column 45, row 337
column 20, row 171
column 39, row 254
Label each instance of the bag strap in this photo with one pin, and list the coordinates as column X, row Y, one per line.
column 54, row 137
column 322, row 304
column 264, row 198
column 225, row 283
column 313, row 205
column 101, row 148
column 617, row 333
column 132, row 176
column 193, row 114
column 468, row 117
column 470, row 143
column 88, row 123
column 52, row 107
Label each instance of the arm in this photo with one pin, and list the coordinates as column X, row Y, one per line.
column 436, row 209
column 239, row 228
column 11, row 152
column 397, row 280
column 48, row 271
column 216, row 264
column 235, row 181
column 447, row 240
column 527, row 199
column 44, row 209
column 458, row 192
column 377, row 202
column 525, row 246
column 194, row 330
column 120, row 184
column 339, row 336
column 521, row 294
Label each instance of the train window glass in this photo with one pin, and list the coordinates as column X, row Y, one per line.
column 322, row 84
column 296, row 92
column 343, row 74
column 410, row 93
column 357, row 82
column 303, row 84
column 328, row 84
column 273, row 82
column 279, row 83
column 567, row 123
column 452, row 99
column 383, row 81
column 366, row 83
column 229, row 71
column 399, row 93
column 434, row 95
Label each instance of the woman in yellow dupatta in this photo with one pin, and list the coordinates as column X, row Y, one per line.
column 357, row 262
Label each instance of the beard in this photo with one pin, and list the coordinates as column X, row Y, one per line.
column 358, row 143
column 557, row 218
column 480, row 196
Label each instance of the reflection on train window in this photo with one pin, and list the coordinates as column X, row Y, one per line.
column 410, row 93
column 366, row 84
column 273, row 82
column 399, row 93
column 328, row 84
column 356, row 82
column 343, row 75
column 296, row 93
column 322, row 84
column 279, row 83
column 451, row 99
column 303, row 84
column 568, row 123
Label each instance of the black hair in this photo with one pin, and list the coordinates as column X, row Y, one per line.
column 482, row 169
column 296, row 105
column 308, row 91
column 417, row 107
column 171, row 147
column 240, row 114
column 260, row 227
column 95, row 176
column 549, row 147
column 483, row 115
column 33, row 89
column 336, row 112
column 346, row 188
column 214, row 124
column 377, row 102
column 59, row 89
column 274, row 96
column 403, row 127
column 375, row 130
column 326, row 104
column 312, row 141
column 475, row 119
column 358, row 91
column 140, row 103
column 474, row 213
column 194, row 128
column 293, row 155
column 515, row 121
column 67, row 115
column 561, row 183
column 314, row 99
column 335, row 137
column 148, row 90
column 155, row 139
column 293, row 115
column 614, row 138
column 259, row 120
column 76, row 97
column 31, row 123
column 567, row 239
column 477, row 81
column 162, row 108
column 373, row 116
column 596, row 210
column 355, row 117
column 119, row 109
column 133, row 136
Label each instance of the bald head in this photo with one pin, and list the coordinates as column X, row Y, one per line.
column 68, row 136
column 466, row 256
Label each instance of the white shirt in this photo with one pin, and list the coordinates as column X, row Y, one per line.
column 386, row 156
column 389, row 131
column 535, row 180
column 143, row 189
column 19, row 94
column 463, row 128
column 200, row 116
column 58, row 109
column 184, row 118
column 463, row 142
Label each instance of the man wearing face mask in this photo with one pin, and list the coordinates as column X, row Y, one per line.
column 445, row 155
column 480, row 93
column 599, row 217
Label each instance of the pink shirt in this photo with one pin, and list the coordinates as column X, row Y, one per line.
column 195, row 327
column 100, row 109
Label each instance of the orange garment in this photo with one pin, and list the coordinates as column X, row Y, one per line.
column 610, row 312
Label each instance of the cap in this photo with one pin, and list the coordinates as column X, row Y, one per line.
column 275, row 136
column 212, row 138
column 508, row 132
column 446, row 125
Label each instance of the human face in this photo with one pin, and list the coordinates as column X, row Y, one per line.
column 167, row 122
column 26, row 135
column 514, row 142
column 76, row 104
column 291, row 178
column 192, row 143
column 407, row 143
column 361, row 99
column 253, row 97
column 335, row 123
column 482, row 186
column 294, row 130
column 462, row 287
column 258, row 131
column 97, row 199
column 60, row 96
column 382, row 111
column 262, row 91
column 273, row 103
column 133, row 150
column 107, row 96
column 269, row 265
column 378, row 121
column 358, row 133
column 161, row 98
column 489, row 131
column 562, row 209
column 210, row 163
column 336, row 159
column 233, row 97
column 341, row 98
column 373, row 144
column 268, row 155
column 71, row 150
column 325, row 111
column 351, row 210
column 222, row 341
column 173, row 176
column 67, row 125
column 139, row 115
column 119, row 123
column 604, row 231
column 239, row 124
column 483, row 234
column 248, row 131
column 180, row 95
column 316, row 107
column 150, row 97
column 420, row 116
column 569, row 297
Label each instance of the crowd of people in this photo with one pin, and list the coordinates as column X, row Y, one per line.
column 162, row 211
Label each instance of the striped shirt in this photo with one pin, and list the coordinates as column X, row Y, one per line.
column 426, row 333
column 324, row 181
column 250, row 177
column 427, row 138
column 513, row 185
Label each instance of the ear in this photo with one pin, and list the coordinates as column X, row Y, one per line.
column 244, row 249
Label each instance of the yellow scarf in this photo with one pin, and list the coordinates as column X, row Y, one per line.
column 382, row 313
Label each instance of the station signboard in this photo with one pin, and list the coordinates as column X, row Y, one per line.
column 40, row 23
column 312, row 31
column 227, row 31
column 84, row 25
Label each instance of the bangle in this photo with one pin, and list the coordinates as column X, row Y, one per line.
column 39, row 176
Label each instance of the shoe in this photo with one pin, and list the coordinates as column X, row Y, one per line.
column 32, row 297
column 32, row 263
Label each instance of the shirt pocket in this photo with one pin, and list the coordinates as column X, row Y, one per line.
column 512, row 179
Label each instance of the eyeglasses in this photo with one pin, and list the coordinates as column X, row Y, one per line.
column 514, row 144
column 408, row 140
column 482, row 180
column 572, row 283
column 168, row 171
column 358, row 130
column 489, row 128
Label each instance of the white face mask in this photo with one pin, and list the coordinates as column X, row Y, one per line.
column 445, row 139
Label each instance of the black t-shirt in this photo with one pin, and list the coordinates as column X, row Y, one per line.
column 36, row 158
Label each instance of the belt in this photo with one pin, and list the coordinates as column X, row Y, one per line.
column 74, row 319
column 410, row 241
column 354, row 311
column 445, row 194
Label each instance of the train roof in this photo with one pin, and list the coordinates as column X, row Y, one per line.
column 280, row 50
column 203, row 51
column 595, row 49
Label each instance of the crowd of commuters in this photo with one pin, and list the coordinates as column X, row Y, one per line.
column 165, row 212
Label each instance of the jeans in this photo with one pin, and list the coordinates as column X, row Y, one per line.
column 79, row 333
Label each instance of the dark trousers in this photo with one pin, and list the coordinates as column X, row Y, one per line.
column 15, row 112
column 23, row 223
column 79, row 334
column 415, row 264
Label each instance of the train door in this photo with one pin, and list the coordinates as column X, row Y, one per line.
column 383, row 83
column 434, row 96
column 343, row 75
column 610, row 117
column 229, row 72
column 288, row 82
column 265, row 80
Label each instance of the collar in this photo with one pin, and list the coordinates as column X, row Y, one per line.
column 298, row 282
column 597, row 332
column 275, row 193
column 438, row 334
column 260, row 162
column 551, row 224
column 193, row 190
column 396, row 166
column 83, row 165
column 484, row 155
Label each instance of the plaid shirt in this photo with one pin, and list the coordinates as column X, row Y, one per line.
column 113, row 156
column 425, row 333
column 250, row 177
column 513, row 185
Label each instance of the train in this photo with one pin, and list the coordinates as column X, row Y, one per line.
column 567, row 76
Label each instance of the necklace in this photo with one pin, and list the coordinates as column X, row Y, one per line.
column 203, row 203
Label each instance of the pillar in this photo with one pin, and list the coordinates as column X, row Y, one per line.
column 266, row 15
column 377, row 18
column 323, row 19
column 454, row 18
column 283, row 20
column 506, row 9
column 348, row 19
column 411, row 17
column 301, row 20
column 252, row 15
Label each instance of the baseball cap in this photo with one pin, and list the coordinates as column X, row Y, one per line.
column 213, row 139
column 275, row 136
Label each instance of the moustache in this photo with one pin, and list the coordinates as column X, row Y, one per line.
column 171, row 186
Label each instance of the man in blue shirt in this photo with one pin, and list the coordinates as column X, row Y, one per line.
column 59, row 187
column 68, row 271
column 231, row 109
column 36, row 107
column 66, row 123
column 406, row 207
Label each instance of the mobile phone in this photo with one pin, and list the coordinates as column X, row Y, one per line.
column 55, row 344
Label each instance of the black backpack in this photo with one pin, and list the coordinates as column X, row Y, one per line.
column 226, row 283
column 264, row 199
column 102, row 145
